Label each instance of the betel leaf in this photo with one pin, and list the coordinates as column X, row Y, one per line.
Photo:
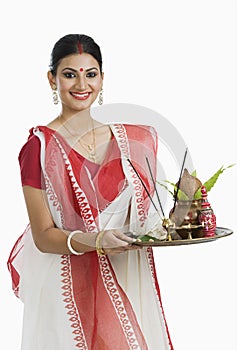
column 211, row 182
column 147, row 238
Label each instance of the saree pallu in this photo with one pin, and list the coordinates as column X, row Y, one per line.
column 92, row 302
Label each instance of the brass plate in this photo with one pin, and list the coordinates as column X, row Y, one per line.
column 220, row 233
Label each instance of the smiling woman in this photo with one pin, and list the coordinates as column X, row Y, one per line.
column 78, row 78
column 77, row 73
column 83, row 283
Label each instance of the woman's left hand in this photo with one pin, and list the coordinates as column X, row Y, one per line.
column 116, row 242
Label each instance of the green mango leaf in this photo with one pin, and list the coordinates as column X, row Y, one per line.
column 211, row 182
column 208, row 184
column 181, row 195
column 166, row 187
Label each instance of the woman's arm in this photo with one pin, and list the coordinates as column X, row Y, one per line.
column 47, row 237
column 50, row 239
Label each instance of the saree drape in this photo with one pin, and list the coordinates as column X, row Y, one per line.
column 92, row 302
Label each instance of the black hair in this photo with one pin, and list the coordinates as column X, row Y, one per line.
column 73, row 44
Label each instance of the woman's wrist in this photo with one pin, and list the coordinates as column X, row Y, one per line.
column 69, row 244
column 79, row 242
column 98, row 243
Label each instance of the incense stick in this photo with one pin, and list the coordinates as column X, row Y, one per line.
column 143, row 184
column 178, row 185
column 154, row 183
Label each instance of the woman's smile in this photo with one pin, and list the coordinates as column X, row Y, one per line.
column 80, row 95
column 78, row 82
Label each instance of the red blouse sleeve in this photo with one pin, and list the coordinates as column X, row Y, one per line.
column 30, row 167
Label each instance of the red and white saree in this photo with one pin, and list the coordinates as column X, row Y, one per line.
column 92, row 302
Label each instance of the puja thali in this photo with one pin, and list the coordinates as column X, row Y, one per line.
column 149, row 241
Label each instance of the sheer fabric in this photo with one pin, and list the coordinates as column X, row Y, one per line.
column 89, row 301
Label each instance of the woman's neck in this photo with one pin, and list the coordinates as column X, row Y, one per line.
column 78, row 121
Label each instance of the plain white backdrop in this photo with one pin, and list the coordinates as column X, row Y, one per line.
column 177, row 58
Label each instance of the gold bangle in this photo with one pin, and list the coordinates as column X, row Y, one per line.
column 98, row 244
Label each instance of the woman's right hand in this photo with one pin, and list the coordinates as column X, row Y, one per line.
column 115, row 242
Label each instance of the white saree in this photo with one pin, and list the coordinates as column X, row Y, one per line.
column 91, row 302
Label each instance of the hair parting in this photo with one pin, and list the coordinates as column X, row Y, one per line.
column 80, row 48
column 72, row 44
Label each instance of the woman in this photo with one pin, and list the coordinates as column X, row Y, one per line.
column 84, row 284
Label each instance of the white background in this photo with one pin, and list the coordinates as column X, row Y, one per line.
column 175, row 57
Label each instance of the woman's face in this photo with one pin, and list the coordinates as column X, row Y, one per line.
column 78, row 81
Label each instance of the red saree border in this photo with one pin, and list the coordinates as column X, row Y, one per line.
column 118, row 304
column 151, row 262
column 85, row 210
column 70, row 304
column 123, row 143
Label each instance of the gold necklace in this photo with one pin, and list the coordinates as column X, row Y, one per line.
column 89, row 148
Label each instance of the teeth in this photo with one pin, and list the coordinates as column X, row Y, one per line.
column 80, row 95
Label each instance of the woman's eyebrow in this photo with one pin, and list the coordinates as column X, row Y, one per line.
column 87, row 70
column 74, row 70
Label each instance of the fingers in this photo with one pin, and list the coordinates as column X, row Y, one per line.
column 124, row 249
column 116, row 242
column 124, row 237
column 111, row 241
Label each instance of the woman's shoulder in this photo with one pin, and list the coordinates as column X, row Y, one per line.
column 32, row 143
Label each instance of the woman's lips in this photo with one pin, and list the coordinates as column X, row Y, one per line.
column 80, row 95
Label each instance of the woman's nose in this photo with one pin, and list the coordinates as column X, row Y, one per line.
column 81, row 83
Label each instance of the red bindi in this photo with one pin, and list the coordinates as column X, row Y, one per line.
column 81, row 69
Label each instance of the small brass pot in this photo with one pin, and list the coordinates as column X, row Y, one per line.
column 186, row 213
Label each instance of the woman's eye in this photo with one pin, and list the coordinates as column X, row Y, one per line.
column 69, row 75
column 91, row 74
